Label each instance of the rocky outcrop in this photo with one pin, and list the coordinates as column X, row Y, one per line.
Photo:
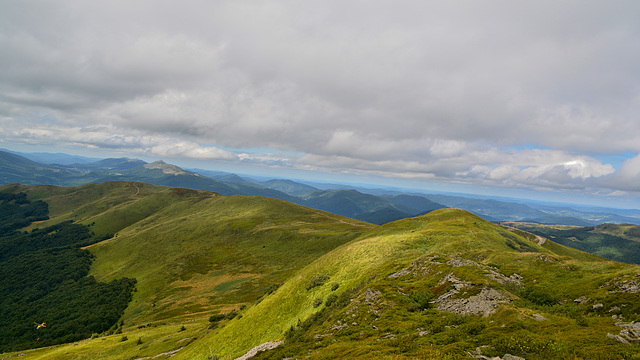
column 630, row 333
column 624, row 284
column 513, row 279
column 485, row 303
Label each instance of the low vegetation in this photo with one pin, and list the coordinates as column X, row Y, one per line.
column 220, row 276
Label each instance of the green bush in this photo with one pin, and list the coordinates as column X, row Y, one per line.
column 217, row 317
column 331, row 299
column 318, row 280
column 538, row 296
column 317, row 302
column 422, row 300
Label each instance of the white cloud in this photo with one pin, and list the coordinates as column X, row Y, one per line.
column 414, row 89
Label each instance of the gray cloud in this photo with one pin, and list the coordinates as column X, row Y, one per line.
column 456, row 91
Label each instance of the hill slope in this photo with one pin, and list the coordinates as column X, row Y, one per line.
column 218, row 276
column 176, row 241
column 440, row 286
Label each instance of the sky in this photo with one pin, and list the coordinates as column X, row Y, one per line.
column 537, row 98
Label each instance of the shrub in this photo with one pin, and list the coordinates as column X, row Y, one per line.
column 473, row 328
column 335, row 286
column 318, row 280
column 217, row 317
column 422, row 300
column 317, row 302
column 331, row 299
column 231, row 315
column 538, row 296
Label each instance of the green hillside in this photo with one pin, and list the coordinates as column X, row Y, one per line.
column 218, row 276
column 440, row 286
column 192, row 252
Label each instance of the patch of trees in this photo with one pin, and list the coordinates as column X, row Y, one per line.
column 17, row 212
column 43, row 278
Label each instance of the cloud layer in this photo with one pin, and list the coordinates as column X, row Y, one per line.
column 502, row 93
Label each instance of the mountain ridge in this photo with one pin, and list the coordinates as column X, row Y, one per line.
column 229, row 273
column 231, row 184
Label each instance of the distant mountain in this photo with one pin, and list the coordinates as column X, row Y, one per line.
column 374, row 205
column 54, row 158
column 383, row 216
column 108, row 164
column 17, row 169
column 592, row 215
column 417, row 204
column 357, row 205
column 290, row 187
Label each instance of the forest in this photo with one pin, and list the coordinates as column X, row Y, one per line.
column 43, row 281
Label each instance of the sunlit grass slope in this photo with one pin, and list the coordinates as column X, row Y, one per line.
column 207, row 251
column 377, row 310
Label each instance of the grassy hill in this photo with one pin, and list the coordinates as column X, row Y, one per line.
column 439, row 286
column 219, row 275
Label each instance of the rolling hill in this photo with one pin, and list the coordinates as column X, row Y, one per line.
column 218, row 276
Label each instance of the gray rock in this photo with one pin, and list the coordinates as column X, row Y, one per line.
column 629, row 334
column 485, row 303
column 539, row 317
column 512, row 357
column 581, row 299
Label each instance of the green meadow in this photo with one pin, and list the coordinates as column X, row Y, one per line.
column 219, row 275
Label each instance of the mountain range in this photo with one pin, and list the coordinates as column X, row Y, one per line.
column 237, row 277
column 377, row 206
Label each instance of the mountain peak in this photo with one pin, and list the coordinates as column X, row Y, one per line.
column 166, row 168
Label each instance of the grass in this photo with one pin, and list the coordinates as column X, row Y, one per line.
column 196, row 254
column 366, row 263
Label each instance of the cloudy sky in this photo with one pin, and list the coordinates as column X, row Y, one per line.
column 537, row 97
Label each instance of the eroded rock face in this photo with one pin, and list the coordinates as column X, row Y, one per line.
column 485, row 303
